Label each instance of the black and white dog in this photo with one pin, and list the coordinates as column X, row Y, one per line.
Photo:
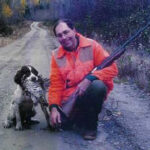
column 31, row 90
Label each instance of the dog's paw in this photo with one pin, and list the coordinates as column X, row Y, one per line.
column 18, row 127
column 6, row 125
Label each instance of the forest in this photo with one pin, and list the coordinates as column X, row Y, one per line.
column 112, row 19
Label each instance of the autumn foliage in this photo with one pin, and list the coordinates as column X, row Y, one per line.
column 6, row 11
column 23, row 3
column 36, row 2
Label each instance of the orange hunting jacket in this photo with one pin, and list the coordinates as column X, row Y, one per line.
column 69, row 68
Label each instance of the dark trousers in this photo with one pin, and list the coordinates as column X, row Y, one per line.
column 87, row 107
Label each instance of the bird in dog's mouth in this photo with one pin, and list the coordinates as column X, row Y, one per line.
column 34, row 90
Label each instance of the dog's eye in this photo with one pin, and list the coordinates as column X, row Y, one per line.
column 27, row 74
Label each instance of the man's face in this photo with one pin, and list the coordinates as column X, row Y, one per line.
column 66, row 36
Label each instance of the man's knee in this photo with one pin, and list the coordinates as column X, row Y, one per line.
column 95, row 94
column 93, row 97
column 98, row 87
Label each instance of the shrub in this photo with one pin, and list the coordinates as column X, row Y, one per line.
column 5, row 30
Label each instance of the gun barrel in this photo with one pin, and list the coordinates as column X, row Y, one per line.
column 119, row 51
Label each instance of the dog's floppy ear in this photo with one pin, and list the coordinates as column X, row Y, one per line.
column 19, row 74
column 17, row 77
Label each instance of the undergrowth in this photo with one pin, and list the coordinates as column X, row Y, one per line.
column 134, row 65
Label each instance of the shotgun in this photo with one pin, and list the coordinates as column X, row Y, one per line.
column 68, row 106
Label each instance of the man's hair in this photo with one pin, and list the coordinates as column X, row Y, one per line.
column 67, row 21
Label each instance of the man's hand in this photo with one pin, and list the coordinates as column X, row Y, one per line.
column 82, row 86
column 55, row 119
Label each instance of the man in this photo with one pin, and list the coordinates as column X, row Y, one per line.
column 71, row 65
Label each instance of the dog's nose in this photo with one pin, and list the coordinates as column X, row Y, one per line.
column 33, row 79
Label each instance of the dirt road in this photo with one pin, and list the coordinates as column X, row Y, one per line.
column 123, row 125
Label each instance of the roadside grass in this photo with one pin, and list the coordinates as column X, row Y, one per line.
column 18, row 30
column 133, row 67
column 136, row 68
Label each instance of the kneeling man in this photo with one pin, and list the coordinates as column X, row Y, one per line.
column 71, row 65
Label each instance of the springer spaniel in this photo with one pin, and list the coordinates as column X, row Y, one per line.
column 31, row 90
